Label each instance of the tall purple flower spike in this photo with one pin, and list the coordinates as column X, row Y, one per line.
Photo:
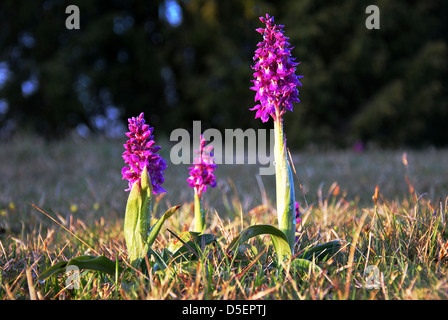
column 201, row 173
column 275, row 80
column 140, row 151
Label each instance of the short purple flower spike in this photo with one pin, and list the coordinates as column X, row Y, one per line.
column 140, row 151
column 298, row 213
column 201, row 174
column 275, row 80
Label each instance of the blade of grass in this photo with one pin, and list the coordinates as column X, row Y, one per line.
column 251, row 263
column 29, row 279
column 62, row 226
column 352, row 254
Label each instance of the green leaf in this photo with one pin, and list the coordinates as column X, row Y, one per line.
column 54, row 269
column 323, row 251
column 246, row 251
column 158, row 225
column 160, row 263
column 288, row 219
column 101, row 264
column 284, row 182
column 137, row 219
column 304, row 265
column 279, row 239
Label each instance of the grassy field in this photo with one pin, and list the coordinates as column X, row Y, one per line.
column 78, row 183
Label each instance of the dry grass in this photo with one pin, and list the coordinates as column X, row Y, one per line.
column 79, row 184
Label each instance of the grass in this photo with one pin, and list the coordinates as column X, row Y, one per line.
column 404, row 235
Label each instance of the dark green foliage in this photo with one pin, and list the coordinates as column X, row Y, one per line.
column 386, row 86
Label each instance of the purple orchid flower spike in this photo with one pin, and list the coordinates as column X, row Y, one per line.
column 276, row 90
column 201, row 176
column 298, row 213
column 275, row 81
column 140, row 152
column 201, row 173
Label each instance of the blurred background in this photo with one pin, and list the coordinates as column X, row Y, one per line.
column 185, row 60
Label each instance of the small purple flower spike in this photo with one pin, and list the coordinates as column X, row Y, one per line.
column 298, row 213
column 201, row 173
column 140, row 152
column 275, row 80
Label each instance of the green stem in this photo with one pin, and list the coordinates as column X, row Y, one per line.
column 284, row 185
column 199, row 215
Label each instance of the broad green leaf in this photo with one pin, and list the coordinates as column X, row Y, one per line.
column 137, row 219
column 246, row 251
column 304, row 265
column 101, row 264
column 288, row 219
column 279, row 239
column 54, row 269
column 323, row 251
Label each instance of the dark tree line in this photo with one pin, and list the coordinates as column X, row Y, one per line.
column 386, row 86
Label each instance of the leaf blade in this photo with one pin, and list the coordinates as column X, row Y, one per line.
column 101, row 264
column 137, row 219
column 158, row 225
column 54, row 269
column 278, row 238
column 322, row 252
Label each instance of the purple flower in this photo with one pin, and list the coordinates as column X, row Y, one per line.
column 275, row 80
column 358, row 147
column 298, row 220
column 298, row 213
column 140, row 152
column 201, row 173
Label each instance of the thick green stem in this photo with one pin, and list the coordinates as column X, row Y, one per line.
column 199, row 215
column 284, row 185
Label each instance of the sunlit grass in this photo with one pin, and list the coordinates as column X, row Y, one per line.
column 79, row 184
